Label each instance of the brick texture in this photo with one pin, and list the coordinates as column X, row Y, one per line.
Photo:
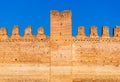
column 60, row 57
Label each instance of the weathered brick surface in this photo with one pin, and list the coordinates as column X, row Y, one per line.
column 60, row 57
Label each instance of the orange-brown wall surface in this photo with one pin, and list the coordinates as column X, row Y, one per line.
column 60, row 57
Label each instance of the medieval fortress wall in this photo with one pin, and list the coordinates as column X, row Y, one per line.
column 60, row 57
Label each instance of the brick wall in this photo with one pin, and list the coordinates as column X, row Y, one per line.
column 60, row 57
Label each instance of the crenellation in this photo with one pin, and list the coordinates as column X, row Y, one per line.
column 3, row 31
column 117, row 31
column 93, row 31
column 41, row 31
column 105, row 31
column 60, row 57
column 15, row 33
column 81, row 31
column 15, row 30
column 28, row 31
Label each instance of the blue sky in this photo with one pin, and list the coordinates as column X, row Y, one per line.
column 37, row 13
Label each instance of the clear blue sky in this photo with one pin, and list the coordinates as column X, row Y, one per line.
column 37, row 13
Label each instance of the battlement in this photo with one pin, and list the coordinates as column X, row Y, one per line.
column 105, row 31
column 60, row 26
column 81, row 32
column 3, row 31
column 16, row 30
column 60, row 57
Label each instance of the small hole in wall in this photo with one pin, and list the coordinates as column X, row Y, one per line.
column 15, row 59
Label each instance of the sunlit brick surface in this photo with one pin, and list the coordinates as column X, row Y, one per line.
column 60, row 57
